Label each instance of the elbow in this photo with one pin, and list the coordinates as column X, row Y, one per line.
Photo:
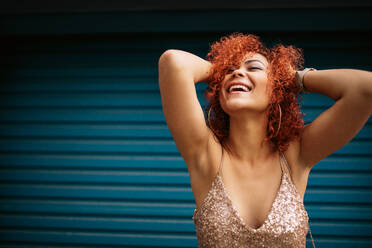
column 365, row 89
column 168, row 58
column 164, row 63
column 368, row 94
column 366, row 85
column 171, row 63
column 167, row 62
column 164, row 57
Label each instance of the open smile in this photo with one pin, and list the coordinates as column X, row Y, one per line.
column 239, row 87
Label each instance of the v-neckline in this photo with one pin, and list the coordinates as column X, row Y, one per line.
column 235, row 210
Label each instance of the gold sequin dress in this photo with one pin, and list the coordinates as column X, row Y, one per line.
column 218, row 223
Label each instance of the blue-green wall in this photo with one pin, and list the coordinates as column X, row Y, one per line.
column 86, row 159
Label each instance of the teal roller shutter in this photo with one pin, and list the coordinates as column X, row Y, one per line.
column 86, row 158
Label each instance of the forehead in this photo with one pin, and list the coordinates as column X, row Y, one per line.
column 256, row 56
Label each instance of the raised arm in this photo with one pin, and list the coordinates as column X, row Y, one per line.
column 335, row 127
column 179, row 71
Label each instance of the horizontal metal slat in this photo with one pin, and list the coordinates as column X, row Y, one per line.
column 341, row 195
column 198, row 21
column 117, row 59
column 88, row 145
column 86, row 130
column 108, row 224
column 165, row 193
column 19, row 72
column 97, row 208
column 96, row 84
column 83, row 115
column 347, row 179
column 79, row 100
column 138, row 83
column 340, row 242
column 340, row 162
column 337, row 212
column 98, row 177
column 315, row 100
column 124, row 42
column 98, row 238
column 21, row 244
column 312, row 113
column 355, row 228
column 91, row 161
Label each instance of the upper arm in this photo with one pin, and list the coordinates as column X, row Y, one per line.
column 337, row 125
column 178, row 73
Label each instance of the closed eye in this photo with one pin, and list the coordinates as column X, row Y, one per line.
column 231, row 70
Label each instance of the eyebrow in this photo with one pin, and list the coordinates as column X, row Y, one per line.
column 253, row 60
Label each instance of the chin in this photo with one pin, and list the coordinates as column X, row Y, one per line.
column 239, row 107
column 231, row 109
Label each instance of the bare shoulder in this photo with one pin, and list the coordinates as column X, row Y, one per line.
column 300, row 172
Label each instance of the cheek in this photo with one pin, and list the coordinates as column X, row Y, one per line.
column 266, row 87
column 263, row 93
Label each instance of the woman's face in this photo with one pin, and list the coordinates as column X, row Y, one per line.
column 245, row 88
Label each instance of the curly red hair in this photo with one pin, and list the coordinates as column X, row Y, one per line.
column 228, row 52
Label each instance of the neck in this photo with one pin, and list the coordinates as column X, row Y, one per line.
column 247, row 139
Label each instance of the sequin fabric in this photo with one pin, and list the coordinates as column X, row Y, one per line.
column 218, row 223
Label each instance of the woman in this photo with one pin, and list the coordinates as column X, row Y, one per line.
column 249, row 164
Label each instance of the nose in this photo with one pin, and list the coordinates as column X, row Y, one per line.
column 238, row 73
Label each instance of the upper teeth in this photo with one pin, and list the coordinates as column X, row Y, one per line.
column 239, row 86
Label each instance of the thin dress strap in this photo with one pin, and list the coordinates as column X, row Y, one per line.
column 290, row 174
column 286, row 164
column 220, row 167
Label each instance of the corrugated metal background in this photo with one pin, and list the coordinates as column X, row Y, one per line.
column 86, row 159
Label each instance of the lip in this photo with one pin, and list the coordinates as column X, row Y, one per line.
column 238, row 83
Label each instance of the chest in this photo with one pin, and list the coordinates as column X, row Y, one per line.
column 253, row 198
column 286, row 222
